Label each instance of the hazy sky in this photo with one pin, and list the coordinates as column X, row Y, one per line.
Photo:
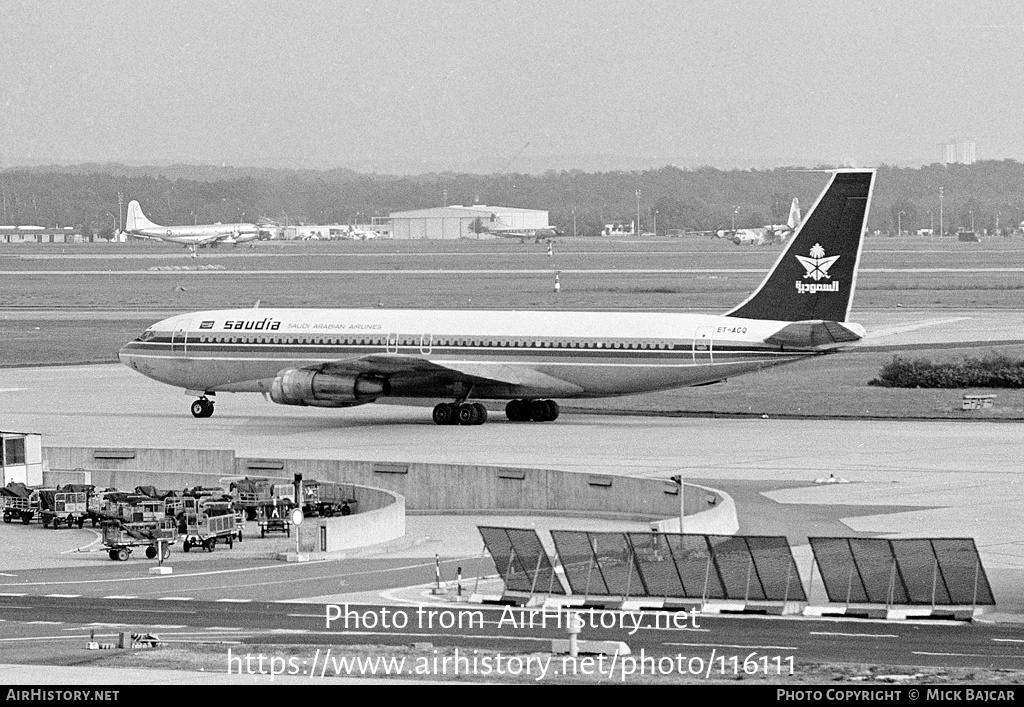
column 458, row 84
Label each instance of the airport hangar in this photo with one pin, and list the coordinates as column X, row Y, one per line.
column 449, row 222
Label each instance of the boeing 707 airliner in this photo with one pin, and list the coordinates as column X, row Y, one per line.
column 345, row 357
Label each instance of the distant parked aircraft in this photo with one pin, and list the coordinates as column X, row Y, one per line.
column 766, row 235
column 138, row 226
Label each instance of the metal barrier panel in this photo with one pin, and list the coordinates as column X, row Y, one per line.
column 539, row 570
column 508, row 565
column 653, row 555
column 776, row 568
column 918, row 568
column 961, row 569
column 579, row 563
column 614, row 557
column 838, row 569
column 735, row 567
column 696, row 567
column 876, row 564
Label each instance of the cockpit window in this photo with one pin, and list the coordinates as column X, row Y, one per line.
column 147, row 335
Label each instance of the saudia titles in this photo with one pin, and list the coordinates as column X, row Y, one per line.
column 261, row 325
column 817, row 267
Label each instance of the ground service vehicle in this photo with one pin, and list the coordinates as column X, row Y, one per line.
column 120, row 537
column 68, row 504
column 326, row 498
column 210, row 522
column 254, row 496
column 20, row 501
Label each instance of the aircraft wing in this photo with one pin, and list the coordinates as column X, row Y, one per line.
column 469, row 372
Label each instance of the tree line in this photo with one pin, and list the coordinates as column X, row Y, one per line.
column 984, row 196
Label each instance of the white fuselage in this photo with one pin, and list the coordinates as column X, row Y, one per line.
column 512, row 354
column 190, row 235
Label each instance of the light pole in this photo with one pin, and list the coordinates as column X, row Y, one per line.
column 637, row 231
column 899, row 223
column 574, row 223
column 972, row 220
column 734, row 212
column 941, row 230
column 931, row 222
column 655, row 223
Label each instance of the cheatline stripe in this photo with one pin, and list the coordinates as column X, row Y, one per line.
column 546, row 272
column 687, row 362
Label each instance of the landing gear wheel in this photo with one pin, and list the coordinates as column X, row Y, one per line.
column 468, row 414
column 122, row 555
column 445, row 414
column 481, row 412
column 150, row 552
column 345, row 510
column 552, row 410
column 112, row 554
column 202, row 408
column 539, row 410
column 186, row 546
column 513, row 411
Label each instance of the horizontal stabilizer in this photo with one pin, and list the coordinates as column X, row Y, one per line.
column 815, row 334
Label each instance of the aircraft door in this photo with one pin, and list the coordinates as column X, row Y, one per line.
column 179, row 338
column 392, row 343
column 703, row 344
column 426, row 344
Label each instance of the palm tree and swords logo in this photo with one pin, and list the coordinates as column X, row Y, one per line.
column 817, row 267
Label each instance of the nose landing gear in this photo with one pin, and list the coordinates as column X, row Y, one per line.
column 202, row 407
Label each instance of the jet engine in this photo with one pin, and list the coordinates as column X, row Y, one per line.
column 301, row 386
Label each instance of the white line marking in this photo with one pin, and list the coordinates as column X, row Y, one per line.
column 13, row 594
column 48, row 623
column 234, row 601
column 175, row 599
column 1009, row 640
column 969, row 655
column 854, row 635
column 122, row 596
column 729, row 645
column 63, row 596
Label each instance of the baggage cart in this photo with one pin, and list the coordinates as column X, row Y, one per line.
column 121, row 538
column 209, row 525
column 69, row 508
column 21, row 502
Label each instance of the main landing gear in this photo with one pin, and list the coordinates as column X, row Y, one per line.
column 456, row 414
column 202, row 407
column 532, row 410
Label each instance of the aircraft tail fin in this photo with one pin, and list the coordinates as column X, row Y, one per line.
column 136, row 220
column 794, row 214
column 815, row 277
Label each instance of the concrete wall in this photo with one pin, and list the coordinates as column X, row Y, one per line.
column 426, row 487
column 379, row 519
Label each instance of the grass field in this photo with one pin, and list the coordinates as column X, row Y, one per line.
column 82, row 303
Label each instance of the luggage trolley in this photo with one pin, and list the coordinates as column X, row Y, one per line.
column 120, row 538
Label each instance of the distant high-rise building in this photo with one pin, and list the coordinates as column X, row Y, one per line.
column 963, row 152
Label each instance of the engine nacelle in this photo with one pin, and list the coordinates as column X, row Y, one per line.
column 300, row 386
